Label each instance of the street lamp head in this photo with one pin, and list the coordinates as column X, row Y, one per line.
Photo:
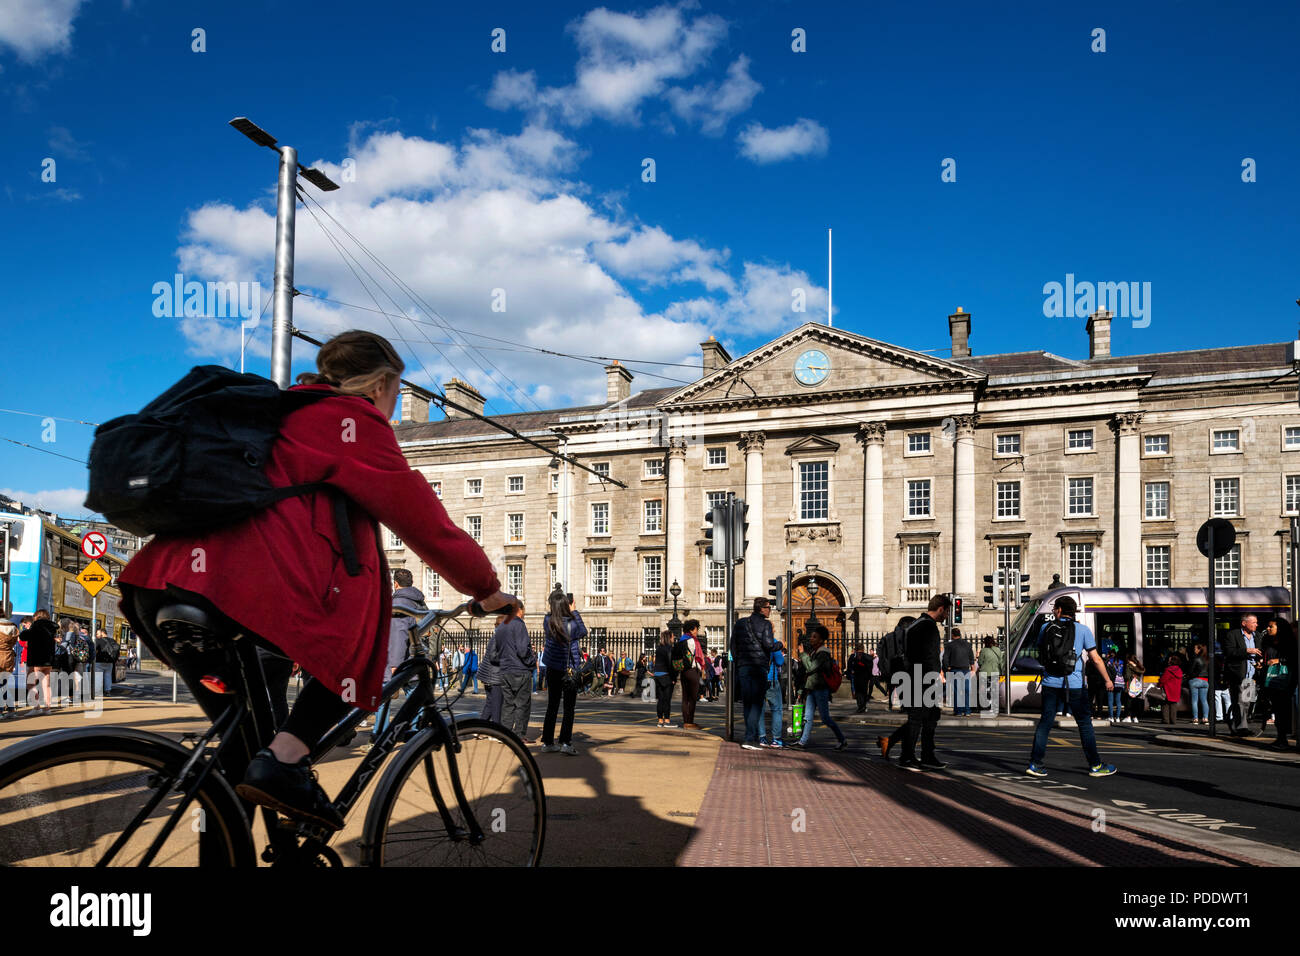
column 254, row 132
column 675, row 590
column 318, row 179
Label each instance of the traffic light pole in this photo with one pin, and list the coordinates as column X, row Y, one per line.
column 731, row 617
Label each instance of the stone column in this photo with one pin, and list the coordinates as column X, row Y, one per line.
column 751, row 444
column 676, row 570
column 1128, row 500
column 963, row 525
column 872, row 438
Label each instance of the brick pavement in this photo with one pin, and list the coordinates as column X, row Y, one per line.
column 859, row 811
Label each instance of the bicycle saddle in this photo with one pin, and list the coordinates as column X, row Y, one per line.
column 188, row 627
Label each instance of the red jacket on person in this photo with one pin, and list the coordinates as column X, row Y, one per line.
column 280, row 573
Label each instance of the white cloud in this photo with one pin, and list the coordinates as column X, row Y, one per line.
column 63, row 501
column 628, row 60
column 33, row 28
column 804, row 137
column 457, row 221
column 713, row 105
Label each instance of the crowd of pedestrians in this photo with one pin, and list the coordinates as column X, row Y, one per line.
column 45, row 667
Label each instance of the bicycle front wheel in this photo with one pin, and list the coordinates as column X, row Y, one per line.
column 503, row 791
column 68, row 797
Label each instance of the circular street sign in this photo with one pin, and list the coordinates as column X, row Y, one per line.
column 94, row 544
column 1225, row 536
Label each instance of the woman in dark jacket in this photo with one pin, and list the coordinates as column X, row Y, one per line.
column 1279, row 652
column 40, row 656
column 564, row 632
column 642, row 668
column 663, row 674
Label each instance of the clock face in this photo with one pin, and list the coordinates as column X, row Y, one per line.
column 812, row 367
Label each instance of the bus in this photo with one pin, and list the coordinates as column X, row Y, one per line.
column 1150, row 623
column 44, row 561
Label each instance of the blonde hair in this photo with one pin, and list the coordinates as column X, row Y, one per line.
column 355, row 363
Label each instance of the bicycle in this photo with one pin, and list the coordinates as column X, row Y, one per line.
column 118, row 795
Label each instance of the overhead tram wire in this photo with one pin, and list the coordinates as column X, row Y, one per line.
column 24, row 444
column 445, row 402
column 420, row 302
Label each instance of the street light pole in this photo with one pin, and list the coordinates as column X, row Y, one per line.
column 675, row 625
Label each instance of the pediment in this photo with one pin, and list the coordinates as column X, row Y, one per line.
column 812, row 444
column 853, row 363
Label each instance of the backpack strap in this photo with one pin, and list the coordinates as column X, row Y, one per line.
column 340, row 504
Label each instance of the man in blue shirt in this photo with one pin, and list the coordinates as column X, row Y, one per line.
column 773, row 702
column 1070, row 688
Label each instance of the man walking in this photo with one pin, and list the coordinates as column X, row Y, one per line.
column 515, row 672
column 752, row 647
column 1063, row 646
column 959, row 665
column 1238, row 649
column 859, row 668
column 106, row 654
column 923, row 658
column 817, row 663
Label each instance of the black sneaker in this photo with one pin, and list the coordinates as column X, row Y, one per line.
column 290, row 788
column 913, row 765
column 933, row 764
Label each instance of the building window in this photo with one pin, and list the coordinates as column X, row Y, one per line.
column 1291, row 494
column 473, row 487
column 713, row 499
column 1078, row 439
column 1007, row 445
column 654, row 468
column 1225, row 441
column 653, row 513
column 1079, row 565
column 515, row 485
column 515, row 579
column 600, row 517
column 715, row 458
column 1157, row 500
column 1078, row 497
column 601, row 469
column 554, row 478
column 515, row 528
column 1291, row 438
column 432, row 585
column 1155, row 444
column 918, row 565
column 918, row 498
column 814, row 490
column 1227, row 569
column 1157, row 566
column 652, row 574
column 1008, row 557
column 918, row 443
column 393, row 540
column 600, row 575
column 474, row 526
column 551, row 587
column 1227, row 497
column 555, row 527
column 437, row 487
column 717, row 576
column 1008, row 499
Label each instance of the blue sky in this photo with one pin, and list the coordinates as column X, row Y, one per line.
column 522, row 171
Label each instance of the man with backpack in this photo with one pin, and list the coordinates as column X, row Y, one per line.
column 1063, row 646
column 106, row 654
column 859, row 668
column 922, row 649
column 822, row 677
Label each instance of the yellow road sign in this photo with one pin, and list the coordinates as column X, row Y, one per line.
column 94, row 578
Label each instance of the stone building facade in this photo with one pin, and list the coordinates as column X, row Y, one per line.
column 897, row 473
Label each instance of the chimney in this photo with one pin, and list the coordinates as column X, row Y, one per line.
column 618, row 382
column 413, row 405
column 1099, row 334
column 715, row 356
column 959, row 329
column 463, row 393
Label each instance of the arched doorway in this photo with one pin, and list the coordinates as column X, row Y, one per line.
column 830, row 613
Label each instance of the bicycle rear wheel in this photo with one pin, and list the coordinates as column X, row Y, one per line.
column 503, row 790
column 67, row 796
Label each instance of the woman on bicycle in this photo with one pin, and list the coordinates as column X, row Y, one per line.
column 280, row 574
column 564, row 630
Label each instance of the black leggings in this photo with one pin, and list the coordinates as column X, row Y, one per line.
column 690, row 694
column 555, row 694
column 664, row 695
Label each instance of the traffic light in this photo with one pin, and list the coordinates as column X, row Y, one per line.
column 774, row 592
column 739, row 539
column 989, row 585
column 956, row 609
column 1024, row 589
column 717, row 546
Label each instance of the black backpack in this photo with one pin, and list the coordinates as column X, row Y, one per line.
column 1056, row 647
column 194, row 458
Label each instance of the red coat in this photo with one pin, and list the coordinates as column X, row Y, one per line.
column 1171, row 682
column 281, row 573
